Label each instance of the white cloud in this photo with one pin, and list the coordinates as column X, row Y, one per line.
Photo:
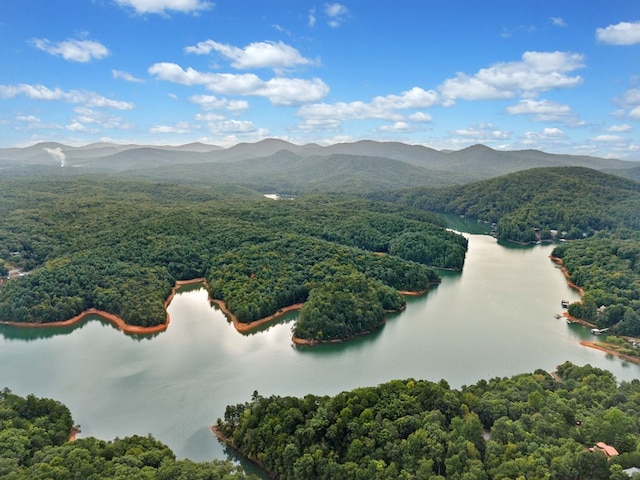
column 619, row 128
column 336, row 13
column 87, row 115
column 254, row 55
column 75, row 50
column 330, row 116
column 608, row 138
column 483, row 133
column 180, row 128
column 32, row 119
column 558, row 22
column 537, row 72
column 231, row 126
column 544, row 139
column 635, row 113
column 120, row 75
column 40, row 92
column 211, row 102
column 312, row 18
column 630, row 103
column 280, row 91
column 162, row 6
column 623, row 33
column 209, row 117
column 420, row 117
column 543, row 110
column 397, row 127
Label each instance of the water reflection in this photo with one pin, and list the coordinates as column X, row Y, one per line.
column 496, row 318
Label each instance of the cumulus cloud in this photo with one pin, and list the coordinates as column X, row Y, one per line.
column 74, row 50
column 280, row 91
column 180, row 128
column 336, row 14
column 537, row 72
column 40, row 92
column 420, row 117
column 101, row 119
column 630, row 103
column 330, row 116
column 558, row 22
column 254, row 55
column 211, row 102
column 608, row 138
column 623, row 33
column 312, row 18
column 542, row 111
column 396, row 127
column 545, row 137
column 483, row 133
column 120, row 75
column 163, row 6
column 619, row 128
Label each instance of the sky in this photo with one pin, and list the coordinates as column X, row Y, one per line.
column 561, row 76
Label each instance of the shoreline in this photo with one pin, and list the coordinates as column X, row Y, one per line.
column 248, row 327
column 604, row 348
column 118, row 322
column 565, row 272
column 596, row 345
column 240, row 327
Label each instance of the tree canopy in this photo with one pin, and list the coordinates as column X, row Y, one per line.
column 119, row 246
column 527, row 426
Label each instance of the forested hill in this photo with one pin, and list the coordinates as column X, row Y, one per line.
column 527, row 426
column 119, row 246
column 575, row 200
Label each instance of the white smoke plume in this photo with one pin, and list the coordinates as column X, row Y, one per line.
column 57, row 154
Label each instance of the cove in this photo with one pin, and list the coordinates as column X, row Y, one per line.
column 496, row 318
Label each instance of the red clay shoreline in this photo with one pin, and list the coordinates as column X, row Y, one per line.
column 117, row 321
column 559, row 262
column 598, row 346
column 137, row 330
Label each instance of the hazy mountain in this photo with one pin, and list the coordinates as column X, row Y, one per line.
column 274, row 164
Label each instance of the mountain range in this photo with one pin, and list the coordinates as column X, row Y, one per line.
column 274, row 165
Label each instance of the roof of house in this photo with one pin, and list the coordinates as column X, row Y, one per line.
column 608, row 450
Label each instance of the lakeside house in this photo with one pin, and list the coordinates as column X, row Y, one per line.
column 608, row 450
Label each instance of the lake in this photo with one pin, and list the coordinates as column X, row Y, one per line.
column 496, row 318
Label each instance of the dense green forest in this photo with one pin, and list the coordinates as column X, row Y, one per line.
column 34, row 443
column 607, row 267
column 527, row 426
column 119, row 246
column 575, row 200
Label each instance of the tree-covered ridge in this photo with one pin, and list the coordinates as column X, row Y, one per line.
column 119, row 246
column 34, row 443
column 574, row 200
column 256, row 280
column 526, row 426
column 607, row 267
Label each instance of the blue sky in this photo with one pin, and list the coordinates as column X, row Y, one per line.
column 560, row 76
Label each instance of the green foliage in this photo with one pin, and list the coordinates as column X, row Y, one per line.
column 119, row 246
column 607, row 267
column 257, row 280
column 526, row 426
column 34, row 443
column 574, row 200
column 344, row 306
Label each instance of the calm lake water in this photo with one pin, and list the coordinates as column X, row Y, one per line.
column 494, row 319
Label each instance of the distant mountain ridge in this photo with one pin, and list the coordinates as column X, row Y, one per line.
column 342, row 167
